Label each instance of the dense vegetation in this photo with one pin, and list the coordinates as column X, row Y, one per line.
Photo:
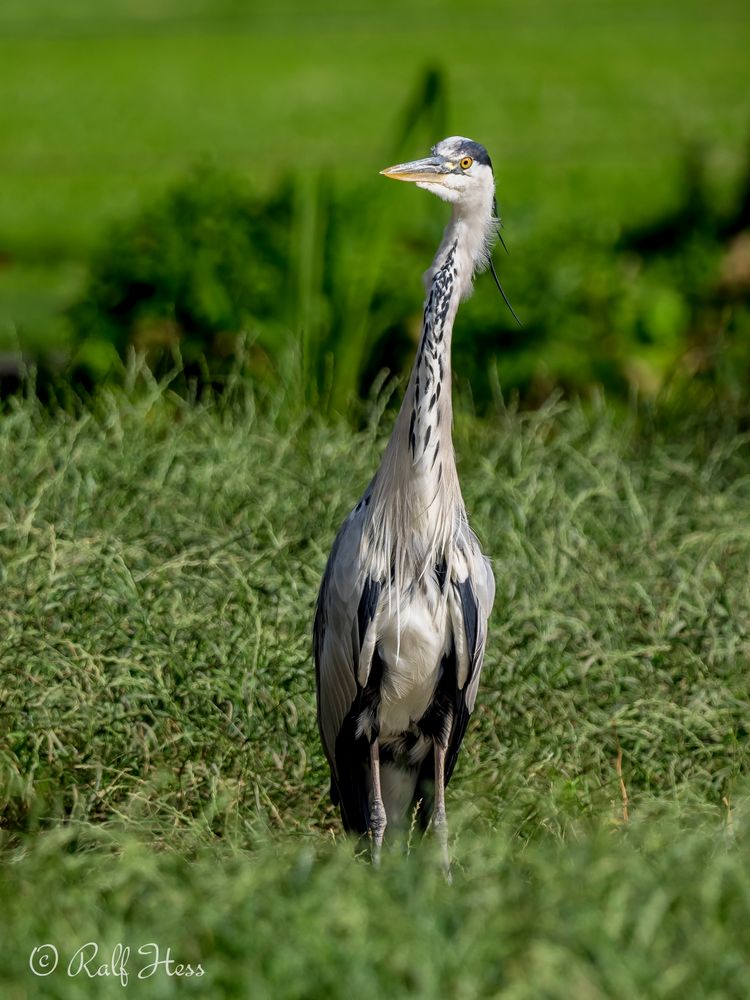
column 314, row 279
column 160, row 560
column 619, row 139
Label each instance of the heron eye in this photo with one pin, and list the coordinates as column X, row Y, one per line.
column 466, row 162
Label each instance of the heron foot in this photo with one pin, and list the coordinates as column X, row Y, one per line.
column 378, row 818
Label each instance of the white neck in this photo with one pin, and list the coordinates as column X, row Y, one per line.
column 471, row 228
column 416, row 497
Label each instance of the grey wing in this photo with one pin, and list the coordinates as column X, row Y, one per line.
column 471, row 596
column 484, row 593
column 344, row 631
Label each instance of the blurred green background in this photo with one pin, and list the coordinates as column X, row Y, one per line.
column 199, row 182
column 181, row 174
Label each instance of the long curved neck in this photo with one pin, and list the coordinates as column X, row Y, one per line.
column 416, row 497
column 422, row 435
column 428, row 395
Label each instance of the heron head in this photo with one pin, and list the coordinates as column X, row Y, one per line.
column 459, row 171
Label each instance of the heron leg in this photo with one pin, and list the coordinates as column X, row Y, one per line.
column 439, row 818
column 378, row 819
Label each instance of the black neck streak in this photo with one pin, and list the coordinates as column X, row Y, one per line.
column 432, row 367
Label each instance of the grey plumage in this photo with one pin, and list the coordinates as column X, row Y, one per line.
column 401, row 620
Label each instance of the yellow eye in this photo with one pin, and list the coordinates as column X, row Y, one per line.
column 466, row 162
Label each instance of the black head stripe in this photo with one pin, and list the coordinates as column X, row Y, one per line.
column 477, row 152
column 457, row 148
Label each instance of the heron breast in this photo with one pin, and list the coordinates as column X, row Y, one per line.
column 412, row 643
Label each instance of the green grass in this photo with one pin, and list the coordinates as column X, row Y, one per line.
column 586, row 108
column 659, row 911
column 160, row 770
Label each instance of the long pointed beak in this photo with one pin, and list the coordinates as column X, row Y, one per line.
column 431, row 168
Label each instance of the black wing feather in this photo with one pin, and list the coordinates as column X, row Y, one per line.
column 351, row 752
column 352, row 755
column 450, row 703
column 470, row 611
column 368, row 605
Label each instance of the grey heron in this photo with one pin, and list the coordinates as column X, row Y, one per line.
column 401, row 618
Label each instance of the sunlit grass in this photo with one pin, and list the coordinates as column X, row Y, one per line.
column 159, row 561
